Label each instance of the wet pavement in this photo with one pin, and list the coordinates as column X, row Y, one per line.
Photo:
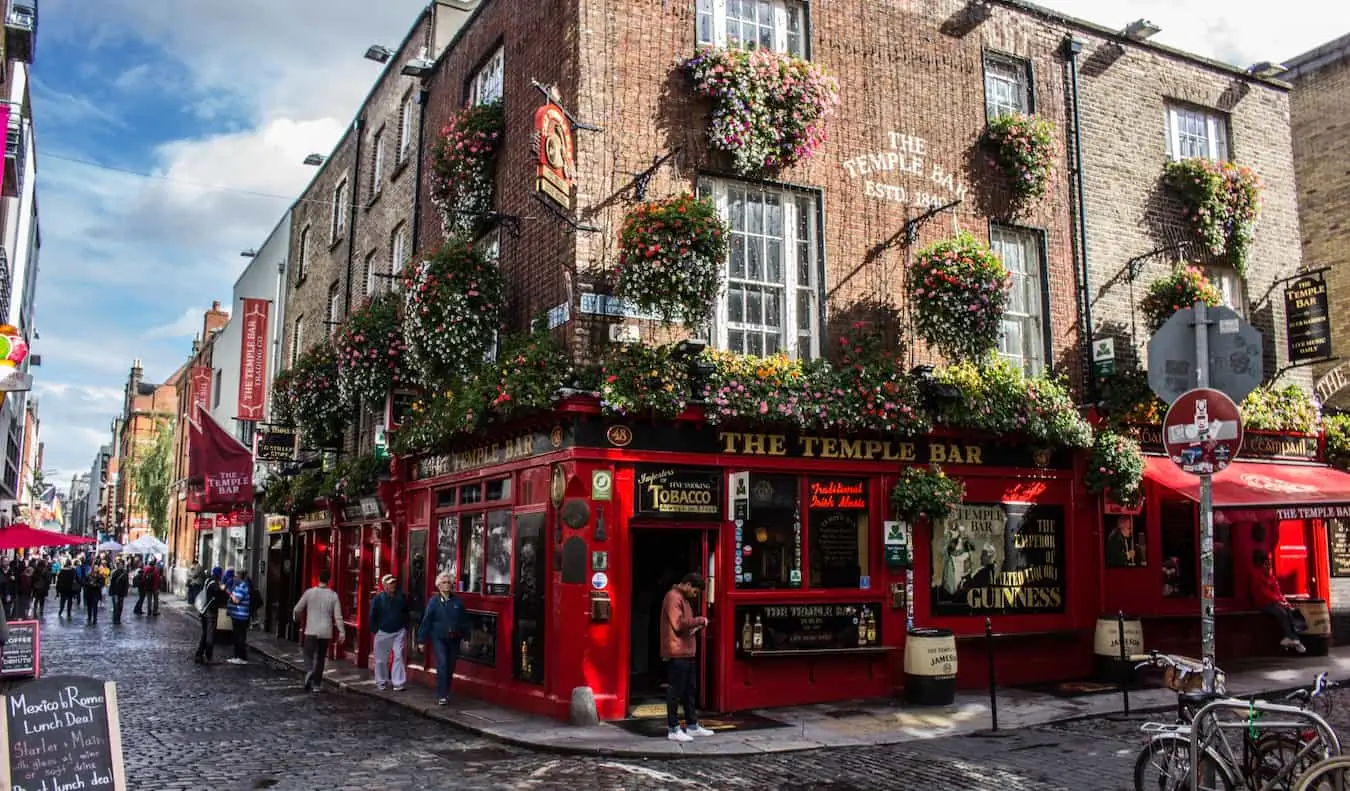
column 242, row 727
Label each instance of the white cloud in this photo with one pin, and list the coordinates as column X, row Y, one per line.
column 188, row 325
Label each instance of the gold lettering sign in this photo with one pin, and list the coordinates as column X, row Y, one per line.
column 515, row 448
column 740, row 443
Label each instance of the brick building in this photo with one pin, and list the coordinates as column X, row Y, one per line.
column 148, row 409
column 199, row 376
column 1321, row 79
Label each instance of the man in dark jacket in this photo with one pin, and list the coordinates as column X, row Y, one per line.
column 118, row 585
column 444, row 625
column 42, row 582
column 389, row 618
column 66, row 590
column 216, row 597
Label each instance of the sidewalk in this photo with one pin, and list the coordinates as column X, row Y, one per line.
column 841, row 724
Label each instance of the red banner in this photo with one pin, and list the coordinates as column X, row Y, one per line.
column 201, row 387
column 204, row 522
column 224, row 467
column 4, row 127
column 253, row 360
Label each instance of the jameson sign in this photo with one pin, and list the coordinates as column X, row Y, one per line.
column 999, row 558
column 678, row 491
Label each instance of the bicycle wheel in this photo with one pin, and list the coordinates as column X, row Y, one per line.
column 1332, row 774
column 1164, row 764
column 1277, row 760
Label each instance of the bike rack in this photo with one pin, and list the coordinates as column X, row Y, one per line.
column 1206, row 725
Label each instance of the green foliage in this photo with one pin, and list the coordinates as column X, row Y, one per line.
column 1221, row 200
column 1288, row 408
column 671, row 254
column 1024, row 147
column 958, row 291
column 925, row 491
column 998, row 399
column 1116, row 463
column 1184, row 287
column 152, row 479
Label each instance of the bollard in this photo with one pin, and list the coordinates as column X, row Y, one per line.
column 1125, row 671
column 993, row 680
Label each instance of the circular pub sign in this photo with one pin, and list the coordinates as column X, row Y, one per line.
column 1202, row 432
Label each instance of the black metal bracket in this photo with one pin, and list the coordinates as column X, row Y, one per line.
column 910, row 231
column 641, row 181
column 510, row 222
column 1295, row 276
column 571, row 118
column 1135, row 266
column 564, row 218
column 1301, row 364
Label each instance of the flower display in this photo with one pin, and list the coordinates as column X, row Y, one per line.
column 1126, row 397
column 1184, row 287
column 1116, row 463
column 283, row 397
column 437, row 419
column 1023, row 147
column 925, row 491
column 452, row 313
column 769, row 108
column 1288, row 408
column 671, row 255
column 530, row 371
column 643, row 380
column 354, row 476
column 997, row 398
column 1337, row 439
column 319, row 411
column 371, row 352
column 1221, row 200
column 959, row 291
column 749, row 389
column 463, row 162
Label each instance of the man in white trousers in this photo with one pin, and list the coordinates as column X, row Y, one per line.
column 389, row 616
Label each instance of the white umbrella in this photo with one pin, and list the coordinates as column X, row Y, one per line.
column 108, row 546
column 147, row 545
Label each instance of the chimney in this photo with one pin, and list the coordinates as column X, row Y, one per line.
column 215, row 319
column 136, row 374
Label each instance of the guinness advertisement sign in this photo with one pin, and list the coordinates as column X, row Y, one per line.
column 1305, row 319
column 678, row 492
column 1261, row 445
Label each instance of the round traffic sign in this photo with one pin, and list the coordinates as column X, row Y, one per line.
column 1202, row 432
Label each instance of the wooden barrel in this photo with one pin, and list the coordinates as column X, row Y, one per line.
column 1106, row 647
column 930, row 667
column 1317, row 637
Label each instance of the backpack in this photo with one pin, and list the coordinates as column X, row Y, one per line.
column 255, row 600
column 203, row 600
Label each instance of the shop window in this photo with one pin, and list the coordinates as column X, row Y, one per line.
column 837, row 532
column 351, row 587
column 498, row 575
column 445, row 498
column 499, row 490
column 776, row 25
column 447, row 546
column 772, row 535
column 1223, row 561
column 473, row 493
column 1179, row 555
column 472, row 535
column 1125, row 543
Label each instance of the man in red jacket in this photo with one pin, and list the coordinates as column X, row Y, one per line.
column 679, row 648
column 1268, row 597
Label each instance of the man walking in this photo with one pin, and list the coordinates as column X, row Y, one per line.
column 66, row 590
column 321, row 612
column 93, row 594
column 118, row 586
column 389, row 617
column 679, row 627
column 146, row 583
column 196, row 578
column 443, row 626
column 215, row 599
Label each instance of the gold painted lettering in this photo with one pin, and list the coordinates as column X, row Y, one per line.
column 873, row 449
column 937, row 453
column 754, row 444
column 974, row 454
column 908, row 451
column 851, row 448
column 829, row 448
column 809, row 446
column 777, row 445
column 728, row 439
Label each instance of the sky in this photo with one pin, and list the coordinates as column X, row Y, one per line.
column 170, row 136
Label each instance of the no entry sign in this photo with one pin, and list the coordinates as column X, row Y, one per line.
column 1202, row 432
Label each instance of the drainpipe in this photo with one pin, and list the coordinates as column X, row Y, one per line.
column 416, row 225
column 353, row 198
column 1071, row 48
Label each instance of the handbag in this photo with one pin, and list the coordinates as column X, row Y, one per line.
column 200, row 602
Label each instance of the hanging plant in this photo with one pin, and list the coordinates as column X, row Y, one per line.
column 529, row 372
column 283, row 397
column 959, row 291
column 867, row 390
column 1337, row 439
column 434, row 421
column 1183, row 288
column 998, row 399
column 1117, row 464
column 925, row 491
column 1023, row 147
column 354, row 476
column 671, row 255
column 371, row 352
column 1221, row 200
column 276, row 496
column 644, row 380
column 463, row 164
column 1288, row 408
column 748, row 389
column 1126, row 397
column 320, row 413
column 305, row 488
column 769, row 108
column 452, row 313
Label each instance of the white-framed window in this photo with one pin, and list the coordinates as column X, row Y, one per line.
column 1007, row 85
column 215, row 391
column 778, row 25
column 302, row 268
column 297, row 339
column 334, row 308
column 487, row 83
column 398, row 253
column 1022, row 341
column 771, row 297
column 1230, row 285
column 1196, row 132
column 340, row 207
column 373, row 279
column 377, row 163
column 405, row 128
column 490, row 245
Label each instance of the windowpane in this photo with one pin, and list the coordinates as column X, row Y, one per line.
column 837, row 532
column 499, row 489
column 486, row 85
column 774, row 535
column 498, row 576
column 472, row 535
column 1005, row 86
column 1022, row 341
column 1195, row 132
column 754, row 24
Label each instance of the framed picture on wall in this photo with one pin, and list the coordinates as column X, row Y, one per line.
column 1126, row 544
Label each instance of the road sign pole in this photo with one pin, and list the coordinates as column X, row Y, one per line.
column 1206, row 513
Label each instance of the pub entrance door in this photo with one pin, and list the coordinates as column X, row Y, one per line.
column 661, row 556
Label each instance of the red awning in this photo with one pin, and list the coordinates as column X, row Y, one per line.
column 1247, row 492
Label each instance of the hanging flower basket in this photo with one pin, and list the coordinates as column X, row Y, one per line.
column 1115, row 464
column 997, row 398
column 371, row 352
column 1023, row 148
column 463, row 165
column 283, row 397
column 769, row 109
column 1183, row 288
column 1337, row 440
column 529, row 372
column 925, row 491
column 867, row 389
column 1289, row 408
column 320, row 414
column 644, row 381
column 452, row 313
column 959, row 291
column 671, row 255
column 1221, row 200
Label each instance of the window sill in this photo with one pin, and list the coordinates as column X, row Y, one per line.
column 399, row 167
column 300, row 281
column 370, row 203
column 337, row 241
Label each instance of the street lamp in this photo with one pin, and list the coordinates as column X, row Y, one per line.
column 379, row 53
column 248, row 253
column 314, row 160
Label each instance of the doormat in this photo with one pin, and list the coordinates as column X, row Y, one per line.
column 655, row 728
column 1085, row 687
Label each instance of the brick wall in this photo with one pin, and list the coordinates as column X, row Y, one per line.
column 1318, row 107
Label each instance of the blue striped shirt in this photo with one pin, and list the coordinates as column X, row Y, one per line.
column 238, row 611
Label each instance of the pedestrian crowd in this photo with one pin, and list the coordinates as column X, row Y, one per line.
column 81, row 579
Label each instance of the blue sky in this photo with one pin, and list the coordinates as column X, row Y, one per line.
column 234, row 93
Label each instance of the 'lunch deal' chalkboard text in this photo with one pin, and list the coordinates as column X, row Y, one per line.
column 62, row 734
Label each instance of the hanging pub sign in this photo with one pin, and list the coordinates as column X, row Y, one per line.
column 1338, row 541
column 999, row 558
column 274, row 444
column 678, row 492
column 555, row 147
column 1306, row 318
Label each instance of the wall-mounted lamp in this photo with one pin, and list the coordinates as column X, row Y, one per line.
column 379, row 53
column 1140, row 30
column 248, row 253
column 314, row 160
column 420, row 68
column 1266, row 69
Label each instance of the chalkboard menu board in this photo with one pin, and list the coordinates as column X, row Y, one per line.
column 806, row 627
column 527, row 632
column 62, row 732
column 1338, row 539
column 993, row 558
column 23, row 651
column 480, row 644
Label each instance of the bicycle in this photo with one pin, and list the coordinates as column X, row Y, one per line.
column 1329, row 774
column 1287, row 755
column 1168, row 750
